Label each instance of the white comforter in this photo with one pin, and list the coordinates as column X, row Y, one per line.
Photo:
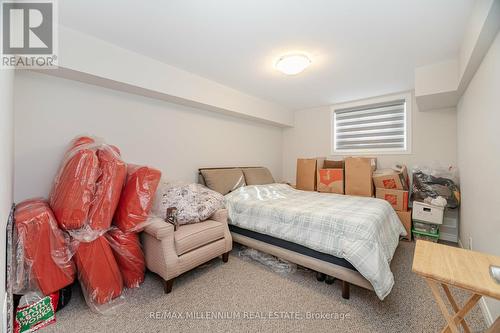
column 364, row 231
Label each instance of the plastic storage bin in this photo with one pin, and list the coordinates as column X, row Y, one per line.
column 425, row 236
column 426, row 227
column 423, row 212
column 449, row 229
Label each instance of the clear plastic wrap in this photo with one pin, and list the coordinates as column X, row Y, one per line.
column 129, row 256
column 194, row 202
column 81, row 140
column 434, row 182
column 43, row 251
column 98, row 273
column 108, row 187
column 137, row 198
column 275, row 264
column 74, row 185
column 35, row 311
column 87, row 188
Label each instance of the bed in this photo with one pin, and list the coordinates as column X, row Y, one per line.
column 350, row 238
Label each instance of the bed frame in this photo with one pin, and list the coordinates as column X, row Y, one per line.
column 348, row 275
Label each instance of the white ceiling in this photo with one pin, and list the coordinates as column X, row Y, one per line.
column 359, row 48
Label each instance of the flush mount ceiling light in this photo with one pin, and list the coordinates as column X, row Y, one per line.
column 292, row 64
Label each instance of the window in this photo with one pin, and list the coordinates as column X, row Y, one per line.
column 380, row 125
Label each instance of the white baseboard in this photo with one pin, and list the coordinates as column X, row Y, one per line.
column 486, row 312
column 488, row 318
column 3, row 318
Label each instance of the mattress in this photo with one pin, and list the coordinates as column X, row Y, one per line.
column 291, row 246
column 363, row 231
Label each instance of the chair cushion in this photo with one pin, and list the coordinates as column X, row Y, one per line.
column 74, row 187
column 98, row 272
column 192, row 236
column 136, row 198
column 108, row 188
column 128, row 254
column 43, row 257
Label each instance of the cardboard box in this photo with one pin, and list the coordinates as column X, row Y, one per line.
column 331, row 177
column 397, row 198
column 307, row 170
column 331, row 181
column 405, row 218
column 329, row 164
column 358, row 176
column 392, row 179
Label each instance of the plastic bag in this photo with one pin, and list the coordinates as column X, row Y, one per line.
column 43, row 251
column 74, row 185
column 108, row 187
column 129, row 256
column 137, row 198
column 87, row 188
column 275, row 264
column 194, row 202
column 35, row 311
column 433, row 183
column 99, row 275
column 439, row 170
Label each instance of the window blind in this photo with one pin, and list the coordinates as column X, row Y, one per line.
column 371, row 127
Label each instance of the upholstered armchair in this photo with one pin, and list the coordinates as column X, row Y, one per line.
column 170, row 253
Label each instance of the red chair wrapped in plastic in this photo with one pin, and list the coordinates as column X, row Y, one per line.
column 74, row 186
column 129, row 256
column 82, row 140
column 46, row 256
column 108, row 187
column 98, row 272
column 137, row 197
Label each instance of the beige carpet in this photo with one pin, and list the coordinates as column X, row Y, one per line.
column 251, row 291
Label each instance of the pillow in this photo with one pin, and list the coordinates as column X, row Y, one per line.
column 137, row 197
column 258, row 176
column 194, row 202
column 223, row 180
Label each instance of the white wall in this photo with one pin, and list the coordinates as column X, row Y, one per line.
column 433, row 139
column 86, row 58
column 6, row 174
column 479, row 159
column 176, row 139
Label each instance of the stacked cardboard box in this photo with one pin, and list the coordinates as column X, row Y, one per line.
column 307, row 171
column 358, row 176
column 393, row 185
column 352, row 176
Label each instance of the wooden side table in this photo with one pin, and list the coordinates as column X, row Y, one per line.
column 445, row 266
